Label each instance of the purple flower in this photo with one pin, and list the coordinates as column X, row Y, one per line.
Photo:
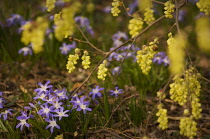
column 67, row 47
column 84, row 23
column 62, row 94
column 61, row 113
column 43, row 87
column 115, row 70
column 25, row 50
column 41, row 96
column 133, row 6
column 45, row 111
column 59, row 3
column 5, row 114
column 32, row 105
column 56, row 103
column 1, row 103
column 166, row 61
column 159, row 57
column 116, row 92
column 52, row 124
column 14, row 19
column 96, row 92
column 182, row 14
column 119, row 35
column 118, row 57
column 193, row 1
column 107, row 9
column 1, row 93
column 49, row 99
column 117, row 43
column 27, row 108
column 23, row 122
column 77, row 102
column 84, row 107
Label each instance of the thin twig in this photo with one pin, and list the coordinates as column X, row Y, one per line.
column 134, row 38
column 118, row 107
column 177, row 17
column 159, row 2
column 12, row 101
column 123, row 61
column 87, row 41
column 205, row 79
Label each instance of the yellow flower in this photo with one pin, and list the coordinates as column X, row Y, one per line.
column 102, row 70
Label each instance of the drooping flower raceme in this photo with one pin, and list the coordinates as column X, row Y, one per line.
column 115, row 10
column 149, row 15
column 169, row 9
column 178, row 90
column 162, row 117
column 50, row 4
column 203, row 33
column 146, row 6
column 34, row 33
column 64, row 21
column 135, row 25
column 204, row 6
column 188, row 127
column 176, row 53
column 72, row 60
column 102, row 70
column 86, row 60
column 144, row 57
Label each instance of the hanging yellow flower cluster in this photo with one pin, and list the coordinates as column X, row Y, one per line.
column 86, row 60
column 169, row 9
column 102, row 70
column 64, row 21
column 34, row 33
column 72, row 60
column 162, row 117
column 50, row 4
column 188, row 127
column 203, row 33
column 146, row 7
column 144, row 56
column 135, row 25
column 176, row 53
column 204, row 6
column 115, row 10
column 185, row 90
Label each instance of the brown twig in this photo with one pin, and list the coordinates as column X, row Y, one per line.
column 177, row 17
column 159, row 2
column 135, row 37
column 12, row 101
column 88, row 42
column 123, row 61
column 118, row 107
